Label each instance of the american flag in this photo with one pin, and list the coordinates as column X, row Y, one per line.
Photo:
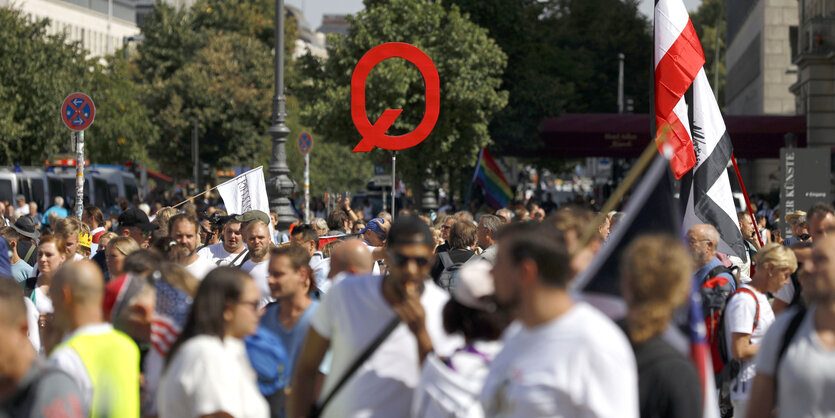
column 167, row 321
column 700, row 353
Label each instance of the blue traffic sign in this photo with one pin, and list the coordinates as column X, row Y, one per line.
column 78, row 111
column 305, row 142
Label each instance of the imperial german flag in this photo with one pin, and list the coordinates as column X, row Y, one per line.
column 489, row 176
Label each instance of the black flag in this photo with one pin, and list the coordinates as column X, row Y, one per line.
column 652, row 209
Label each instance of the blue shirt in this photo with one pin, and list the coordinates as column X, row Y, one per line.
column 61, row 212
column 701, row 274
column 292, row 339
column 21, row 271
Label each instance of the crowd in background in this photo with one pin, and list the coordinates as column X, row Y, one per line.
column 192, row 311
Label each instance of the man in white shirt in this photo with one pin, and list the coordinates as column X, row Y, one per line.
column 231, row 250
column 797, row 373
column 184, row 229
column 354, row 314
column 567, row 359
column 258, row 243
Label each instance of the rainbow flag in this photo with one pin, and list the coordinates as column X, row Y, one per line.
column 489, row 176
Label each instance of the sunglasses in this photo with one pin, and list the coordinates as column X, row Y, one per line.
column 402, row 260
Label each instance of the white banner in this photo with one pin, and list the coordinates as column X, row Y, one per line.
column 246, row 192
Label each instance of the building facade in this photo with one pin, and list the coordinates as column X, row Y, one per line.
column 815, row 59
column 759, row 72
column 100, row 25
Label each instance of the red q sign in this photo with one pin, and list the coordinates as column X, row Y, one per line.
column 375, row 135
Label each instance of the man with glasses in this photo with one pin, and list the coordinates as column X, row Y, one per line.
column 446, row 226
column 703, row 240
column 353, row 316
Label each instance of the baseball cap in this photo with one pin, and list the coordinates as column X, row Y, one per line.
column 137, row 218
column 253, row 215
column 376, row 226
column 474, row 284
column 26, row 227
column 20, row 197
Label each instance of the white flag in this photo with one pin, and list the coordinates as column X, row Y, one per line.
column 246, row 192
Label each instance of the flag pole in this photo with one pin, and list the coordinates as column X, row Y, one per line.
column 631, row 178
column 747, row 202
column 195, row 196
column 475, row 174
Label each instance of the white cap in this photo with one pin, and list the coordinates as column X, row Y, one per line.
column 474, row 283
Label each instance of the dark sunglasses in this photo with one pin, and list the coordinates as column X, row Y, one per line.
column 401, row 260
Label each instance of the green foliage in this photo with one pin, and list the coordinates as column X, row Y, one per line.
column 563, row 57
column 36, row 73
column 469, row 64
column 213, row 65
column 123, row 128
column 709, row 22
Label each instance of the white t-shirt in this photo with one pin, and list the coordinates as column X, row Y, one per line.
column 351, row 316
column 446, row 390
column 32, row 317
column 786, row 293
column 806, row 378
column 218, row 255
column 200, row 268
column 577, row 365
column 209, row 375
column 68, row 360
column 376, row 269
column 739, row 317
column 259, row 271
column 42, row 302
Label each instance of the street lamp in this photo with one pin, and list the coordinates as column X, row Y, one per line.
column 280, row 185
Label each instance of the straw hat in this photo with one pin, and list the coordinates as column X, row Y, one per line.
column 796, row 217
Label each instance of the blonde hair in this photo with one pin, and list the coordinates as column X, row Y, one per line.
column 125, row 245
column 777, row 256
column 655, row 278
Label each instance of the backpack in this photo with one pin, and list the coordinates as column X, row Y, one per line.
column 715, row 291
column 726, row 368
column 449, row 276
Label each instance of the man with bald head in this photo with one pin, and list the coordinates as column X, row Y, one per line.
column 103, row 362
column 349, row 257
column 703, row 240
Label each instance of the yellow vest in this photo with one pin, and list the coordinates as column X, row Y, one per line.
column 112, row 362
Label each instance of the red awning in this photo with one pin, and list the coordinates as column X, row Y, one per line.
column 626, row 135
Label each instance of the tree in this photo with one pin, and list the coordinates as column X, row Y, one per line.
column 123, row 128
column 563, row 57
column 211, row 64
column 33, row 86
column 469, row 64
column 37, row 73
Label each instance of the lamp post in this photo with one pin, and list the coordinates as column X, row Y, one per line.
column 280, row 185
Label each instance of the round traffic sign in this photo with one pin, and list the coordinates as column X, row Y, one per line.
column 78, row 111
column 305, row 142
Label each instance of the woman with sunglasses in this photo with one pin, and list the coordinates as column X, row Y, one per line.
column 207, row 371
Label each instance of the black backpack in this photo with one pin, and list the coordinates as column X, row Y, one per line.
column 449, row 276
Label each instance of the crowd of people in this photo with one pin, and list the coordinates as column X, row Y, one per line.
column 192, row 311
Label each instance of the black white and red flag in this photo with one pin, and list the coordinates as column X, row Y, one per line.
column 701, row 145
